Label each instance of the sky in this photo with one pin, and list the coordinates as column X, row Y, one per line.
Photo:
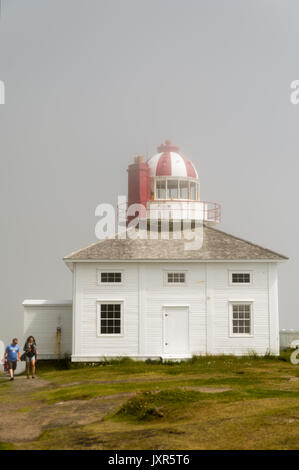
column 90, row 84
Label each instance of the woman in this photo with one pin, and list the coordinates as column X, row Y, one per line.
column 31, row 355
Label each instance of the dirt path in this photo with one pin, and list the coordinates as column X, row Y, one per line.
column 24, row 418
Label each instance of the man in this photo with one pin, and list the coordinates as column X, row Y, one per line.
column 12, row 355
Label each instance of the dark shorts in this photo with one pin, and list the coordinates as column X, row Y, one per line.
column 12, row 365
column 30, row 358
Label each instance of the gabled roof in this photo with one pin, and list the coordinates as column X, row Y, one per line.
column 217, row 245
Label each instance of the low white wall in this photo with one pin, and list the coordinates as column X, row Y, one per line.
column 286, row 337
column 50, row 323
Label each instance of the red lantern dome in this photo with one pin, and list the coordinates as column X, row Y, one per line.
column 169, row 162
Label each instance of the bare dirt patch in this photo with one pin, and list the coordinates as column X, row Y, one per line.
column 208, row 389
column 120, row 381
column 24, row 419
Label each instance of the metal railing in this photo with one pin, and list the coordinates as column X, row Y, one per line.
column 171, row 210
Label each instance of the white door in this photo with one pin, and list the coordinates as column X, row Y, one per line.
column 176, row 331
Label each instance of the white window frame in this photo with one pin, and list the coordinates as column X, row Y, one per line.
column 176, row 284
column 241, row 302
column 99, row 277
column 240, row 271
column 156, row 190
column 98, row 319
column 178, row 179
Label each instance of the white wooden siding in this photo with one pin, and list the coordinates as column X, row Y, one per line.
column 42, row 321
column 257, row 293
column 157, row 295
column 88, row 293
column 207, row 293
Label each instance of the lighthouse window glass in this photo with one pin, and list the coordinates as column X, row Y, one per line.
column 172, row 189
column 241, row 319
column 193, row 191
column 152, row 188
column 110, row 319
column 161, row 189
column 184, row 189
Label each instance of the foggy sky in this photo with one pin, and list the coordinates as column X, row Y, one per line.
column 90, row 84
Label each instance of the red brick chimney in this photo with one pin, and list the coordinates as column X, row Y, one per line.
column 138, row 182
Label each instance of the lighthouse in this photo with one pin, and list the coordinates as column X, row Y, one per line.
column 167, row 188
column 160, row 297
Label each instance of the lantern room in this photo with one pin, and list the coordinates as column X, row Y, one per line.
column 167, row 187
column 173, row 176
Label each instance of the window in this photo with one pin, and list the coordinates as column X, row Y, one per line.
column 193, row 191
column 161, row 189
column 240, row 278
column 110, row 319
column 241, row 319
column 110, row 277
column 172, row 189
column 184, row 189
column 152, row 188
column 176, row 278
column 169, row 188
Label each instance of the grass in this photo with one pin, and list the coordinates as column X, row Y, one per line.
column 149, row 405
column 208, row 402
column 6, row 446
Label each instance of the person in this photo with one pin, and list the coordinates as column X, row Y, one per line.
column 12, row 355
column 31, row 355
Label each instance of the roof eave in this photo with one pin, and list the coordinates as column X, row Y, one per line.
column 177, row 260
column 69, row 263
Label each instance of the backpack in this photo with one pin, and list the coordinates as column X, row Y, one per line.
column 29, row 353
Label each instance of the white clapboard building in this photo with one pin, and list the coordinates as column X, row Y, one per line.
column 158, row 294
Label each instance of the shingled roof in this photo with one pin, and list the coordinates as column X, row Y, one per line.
column 217, row 245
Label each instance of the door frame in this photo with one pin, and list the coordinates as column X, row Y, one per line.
column 164, row 308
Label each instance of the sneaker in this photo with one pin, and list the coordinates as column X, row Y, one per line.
column 33, row 377
column 11, row 378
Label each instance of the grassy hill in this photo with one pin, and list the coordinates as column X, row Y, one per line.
column 206, row 403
